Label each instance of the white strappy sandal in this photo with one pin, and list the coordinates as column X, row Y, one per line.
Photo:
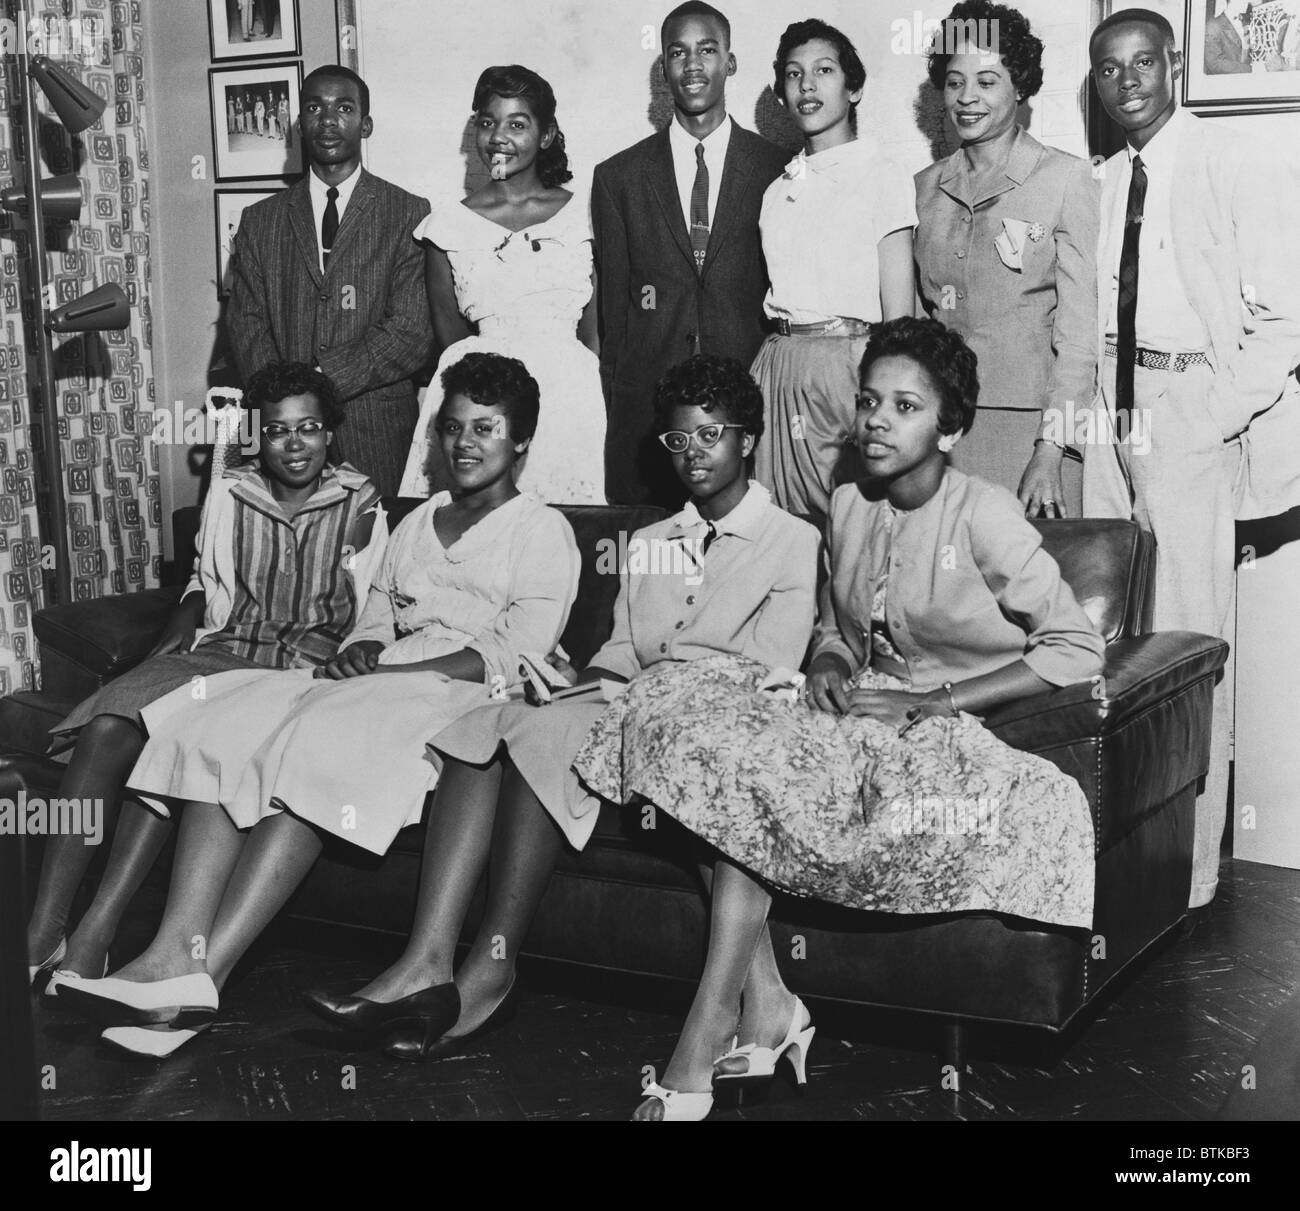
column 762, row 1061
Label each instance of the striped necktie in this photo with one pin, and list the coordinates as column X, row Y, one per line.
column 700, row 209
column 1126, row 310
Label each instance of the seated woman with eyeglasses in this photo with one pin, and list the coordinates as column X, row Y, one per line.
column 729, row 577
column 244, row 608
column 885, row 791
column 268, row 764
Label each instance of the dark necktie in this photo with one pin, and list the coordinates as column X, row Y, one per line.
column 710, row 535
column 700, row 209
column 1126, row 352
column 329, row 224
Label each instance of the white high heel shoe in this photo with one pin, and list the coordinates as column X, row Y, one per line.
column 152, row 1043
column 762, row 1060
column 180, row 1001
column 680, row 1107
column 53, row 961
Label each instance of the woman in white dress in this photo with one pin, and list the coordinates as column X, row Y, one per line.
column 268, row 762
column 509, row 270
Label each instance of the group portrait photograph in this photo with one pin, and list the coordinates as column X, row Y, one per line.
column 603, row 562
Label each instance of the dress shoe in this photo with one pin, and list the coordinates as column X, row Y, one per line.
column 427, row 1045
column 153, row 1044
column 60, row 976
column 55, row 958
column 1195, row 918
column 762, row 1061
column 180, row 1001
column 436, row 1008
column 681, row 1107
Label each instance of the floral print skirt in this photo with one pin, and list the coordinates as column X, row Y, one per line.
column 840, row 808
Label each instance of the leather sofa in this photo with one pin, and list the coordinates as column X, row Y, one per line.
column 1136, row 739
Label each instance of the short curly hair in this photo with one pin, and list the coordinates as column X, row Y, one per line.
column 494, row 381
column 949, row 362
column 1016, row 45
column 801, row 32
column 279, row 380
column 711, row 384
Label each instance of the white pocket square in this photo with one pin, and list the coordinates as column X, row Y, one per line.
column 1010, row 243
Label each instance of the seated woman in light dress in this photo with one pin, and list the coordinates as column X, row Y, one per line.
column 267, row 763
column 509, row 270
column 729, row 577
column 883, row 790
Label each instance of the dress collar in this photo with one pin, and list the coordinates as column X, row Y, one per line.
column 744, row 521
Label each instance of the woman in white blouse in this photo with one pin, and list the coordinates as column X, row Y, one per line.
column 266, row 763
column 729, row 576
column 837, row 238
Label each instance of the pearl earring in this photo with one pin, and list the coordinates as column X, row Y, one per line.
column 947, row 441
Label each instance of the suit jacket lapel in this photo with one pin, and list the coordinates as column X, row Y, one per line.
column 662, row 179
column 362, row 199
column 736, row 171
column 303, row 224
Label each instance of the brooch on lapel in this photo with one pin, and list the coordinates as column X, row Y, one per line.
column 1036, row 232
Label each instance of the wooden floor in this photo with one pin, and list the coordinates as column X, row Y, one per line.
column 1170, row 1045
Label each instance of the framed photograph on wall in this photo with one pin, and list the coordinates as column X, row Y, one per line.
column 231, row 204
column 253, row 29
column 255, row 121
column 1241, row 57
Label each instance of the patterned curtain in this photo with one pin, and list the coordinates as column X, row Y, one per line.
column 104, row 380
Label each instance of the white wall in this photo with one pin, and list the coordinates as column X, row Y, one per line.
column 421, row 63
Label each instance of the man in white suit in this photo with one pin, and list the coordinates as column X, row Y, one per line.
column 1198, row 321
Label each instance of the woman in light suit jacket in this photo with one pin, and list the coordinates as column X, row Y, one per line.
column 1006, row 244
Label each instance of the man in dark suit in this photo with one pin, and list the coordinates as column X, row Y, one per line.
column 329, row 272
column 677, row 248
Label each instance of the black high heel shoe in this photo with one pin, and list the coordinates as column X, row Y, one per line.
column 428, row 1044
column 435, row 1008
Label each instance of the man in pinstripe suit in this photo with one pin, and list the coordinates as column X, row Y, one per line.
column 329, row 273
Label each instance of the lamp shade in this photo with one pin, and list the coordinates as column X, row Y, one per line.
column 60, row 197
column 77, row 106
column 103, row 308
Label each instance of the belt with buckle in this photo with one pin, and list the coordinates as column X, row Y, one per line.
column 1154, row 359
column 841, row 325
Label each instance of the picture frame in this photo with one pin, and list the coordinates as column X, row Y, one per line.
column 253, row 29
column 1241, row 57
column 255, row 134
column 230, row 206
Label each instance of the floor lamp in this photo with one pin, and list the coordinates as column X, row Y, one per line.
column 77, row 107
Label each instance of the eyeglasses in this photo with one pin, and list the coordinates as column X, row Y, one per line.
column 678, row 441
column 277, row 435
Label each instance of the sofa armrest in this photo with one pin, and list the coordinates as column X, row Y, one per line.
column 87, row 643
column 1137, row 738
column 1139, row 673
